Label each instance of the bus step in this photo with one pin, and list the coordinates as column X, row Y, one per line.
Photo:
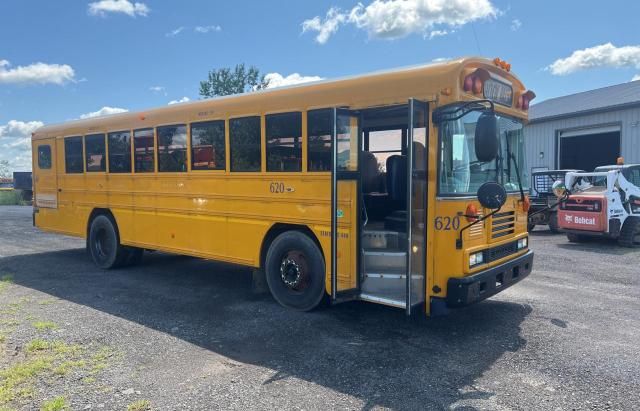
column 384, row 261
column 381, row 239
column 384, row 284
column 390, row 300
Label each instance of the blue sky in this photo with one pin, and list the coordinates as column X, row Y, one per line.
column 127, row 55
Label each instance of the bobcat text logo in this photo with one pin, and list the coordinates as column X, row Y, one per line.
column 580, row 220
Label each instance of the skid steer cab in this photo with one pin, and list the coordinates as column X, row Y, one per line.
column 602, row 203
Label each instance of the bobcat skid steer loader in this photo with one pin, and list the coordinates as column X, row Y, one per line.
column 603, row 203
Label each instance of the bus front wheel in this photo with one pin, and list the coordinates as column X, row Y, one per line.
column 295, row 271
column 104, row 243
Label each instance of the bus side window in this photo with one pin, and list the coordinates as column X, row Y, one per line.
column 319, row 131
column 244, row 143
column 143, row 145
column 119, row 152
column 73, row 163
column 95, row 153
column 207, row 145
column 284, row 142
column 44, row 157
column 172, row 148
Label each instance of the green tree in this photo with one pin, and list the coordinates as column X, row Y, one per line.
column 225, row 81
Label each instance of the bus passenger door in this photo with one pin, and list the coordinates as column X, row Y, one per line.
column 44, row 173
column 344, row 204
column 416, row 203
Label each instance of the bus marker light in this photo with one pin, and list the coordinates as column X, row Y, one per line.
column 526, row 204
column 477, row 85
column 471, row 213
column 468, row 84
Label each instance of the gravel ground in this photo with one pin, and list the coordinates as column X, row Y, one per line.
column 183, row 333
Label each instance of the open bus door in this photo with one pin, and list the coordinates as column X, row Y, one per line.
column 344, row 203
column 416, row 203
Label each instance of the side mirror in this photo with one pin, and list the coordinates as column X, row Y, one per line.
column 559, row 189
column 486, row 137
column 492, row 195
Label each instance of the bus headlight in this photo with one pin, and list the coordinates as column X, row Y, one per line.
column 476, row 259
column 523, row 243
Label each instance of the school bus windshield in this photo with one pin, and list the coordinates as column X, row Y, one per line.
column 460, row 172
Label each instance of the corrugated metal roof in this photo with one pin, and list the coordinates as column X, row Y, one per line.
column 604, row 98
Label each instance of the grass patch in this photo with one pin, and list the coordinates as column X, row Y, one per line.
column 66, row 366
column 88, row 380
column 10, row 197
column 56, row 404
column 44, row 325
column 140, row 405
column 47, row 301
column 99, row 359
column 43, row 358
column 5, row 280
column 37, row 345
column 12, row 378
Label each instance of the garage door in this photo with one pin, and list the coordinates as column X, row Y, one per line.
column 589, row 148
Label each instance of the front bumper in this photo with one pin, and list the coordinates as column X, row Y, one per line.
column 477, row 287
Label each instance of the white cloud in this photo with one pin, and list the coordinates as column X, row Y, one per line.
column 440, row 59
column 604, row 55
column 175, row 32
column 437, row 33
column 636, row 77
column 182, row 100
column 102, row 7
column 278, row 80
column 15, row 143
column 207, row 29
column 516, row 25
column 104, row 111
column 392, row 19
column 36, row 73
column 158, row 90
column 326, row 28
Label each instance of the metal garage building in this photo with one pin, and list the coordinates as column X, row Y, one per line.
column 585, row 130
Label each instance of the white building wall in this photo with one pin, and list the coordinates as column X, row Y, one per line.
column 541, row 137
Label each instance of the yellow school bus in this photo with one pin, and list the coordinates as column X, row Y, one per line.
column 403, row 187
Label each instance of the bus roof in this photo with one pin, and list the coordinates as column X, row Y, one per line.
column 441, row 71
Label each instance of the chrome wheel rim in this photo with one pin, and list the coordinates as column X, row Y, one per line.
column 294, row 271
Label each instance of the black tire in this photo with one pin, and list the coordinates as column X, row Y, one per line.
column 577, row 238
column 530, row 227
column 553, row 223
column 104, row 243
column 630, row 233
column 295, row 271
column 134, row 256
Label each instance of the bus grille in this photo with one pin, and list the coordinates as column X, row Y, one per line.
column 503, row 224
column 477, row 229
column 501, row 251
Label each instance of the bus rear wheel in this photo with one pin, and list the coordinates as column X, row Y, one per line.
column 295, row 271
column 104, row 243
